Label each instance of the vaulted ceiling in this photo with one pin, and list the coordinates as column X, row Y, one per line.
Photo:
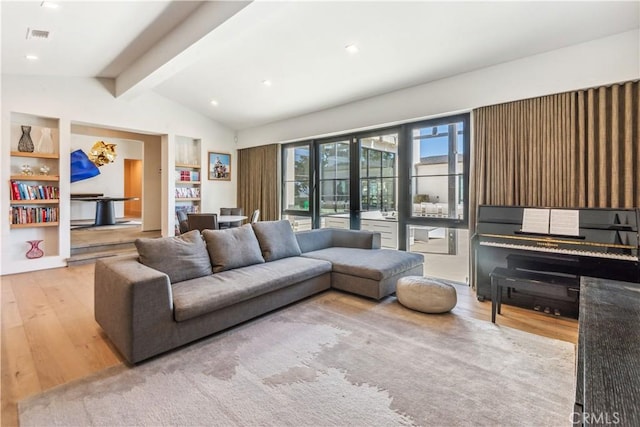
column 264, row 61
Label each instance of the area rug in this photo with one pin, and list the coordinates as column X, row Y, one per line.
column 333, row 359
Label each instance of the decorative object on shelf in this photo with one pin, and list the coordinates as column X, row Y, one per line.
column 26, row 169
column 82, row 167
column 44, row 170
column 45, row 143
column 102, row 153
column 34, row 251
column 26, row 143
column 219, row 166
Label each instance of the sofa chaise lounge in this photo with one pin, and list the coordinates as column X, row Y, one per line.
column 179, row 289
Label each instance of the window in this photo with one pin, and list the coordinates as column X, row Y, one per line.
column 377, row 180
column 334, row 177
column 414, row 174
column 439, row 169
column 296, row 161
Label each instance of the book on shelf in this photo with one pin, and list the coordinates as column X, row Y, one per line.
column 187, row 193
column 187, row 176
column 33, row 215
column 21, row 191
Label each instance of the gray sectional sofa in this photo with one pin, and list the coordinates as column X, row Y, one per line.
column 179, row 289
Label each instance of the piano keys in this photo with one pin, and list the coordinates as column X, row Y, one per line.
column 607, row 246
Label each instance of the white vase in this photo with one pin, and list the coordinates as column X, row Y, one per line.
column 45, row 144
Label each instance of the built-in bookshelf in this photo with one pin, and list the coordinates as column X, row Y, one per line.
column 188, row 176
column 187, row 183
column 34, row 197
column 33, row 191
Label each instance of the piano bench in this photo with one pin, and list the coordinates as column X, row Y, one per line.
column 525, row 281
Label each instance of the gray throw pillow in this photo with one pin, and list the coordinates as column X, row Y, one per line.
column 232, row 248
column 276, row 239
column 181, row 258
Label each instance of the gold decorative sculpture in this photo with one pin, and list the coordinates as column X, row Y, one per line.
column 102, row 153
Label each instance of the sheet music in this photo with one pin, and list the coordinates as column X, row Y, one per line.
column 535, row 220
column 565, row 222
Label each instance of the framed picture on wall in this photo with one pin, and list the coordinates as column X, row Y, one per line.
column 219, row 166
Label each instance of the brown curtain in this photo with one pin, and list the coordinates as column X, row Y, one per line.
column 607, row 132
column 575, row 149
column 258, row 181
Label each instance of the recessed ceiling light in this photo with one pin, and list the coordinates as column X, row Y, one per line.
column 266, row 82
column 214, row 102
column 31, row 57
column 351, row 48
column 49, row 4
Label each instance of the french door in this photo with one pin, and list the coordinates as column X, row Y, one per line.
column 358, row 183
column 348, row 182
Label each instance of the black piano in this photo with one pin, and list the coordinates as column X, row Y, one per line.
column 606, row 246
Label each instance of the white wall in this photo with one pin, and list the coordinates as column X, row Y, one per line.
column 89, row 101
column 599, row 62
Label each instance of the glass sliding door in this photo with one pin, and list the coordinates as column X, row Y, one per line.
column 334, row 185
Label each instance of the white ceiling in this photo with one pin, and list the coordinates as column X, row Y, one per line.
column 193, row 52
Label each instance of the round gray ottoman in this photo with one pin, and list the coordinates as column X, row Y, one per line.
column 426, row 295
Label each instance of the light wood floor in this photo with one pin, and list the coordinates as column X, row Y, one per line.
column 49, row 336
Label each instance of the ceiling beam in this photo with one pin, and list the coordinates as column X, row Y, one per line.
column 180, row 48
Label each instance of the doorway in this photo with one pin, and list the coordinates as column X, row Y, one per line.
column 133, row 188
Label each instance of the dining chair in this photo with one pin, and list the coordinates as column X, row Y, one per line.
column 255, row 216
column 202, row 221
column 183, row 221
column 230, row 211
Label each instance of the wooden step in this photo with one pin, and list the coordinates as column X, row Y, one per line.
column 102, row 247
column 89, row 257
column 88, row 245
